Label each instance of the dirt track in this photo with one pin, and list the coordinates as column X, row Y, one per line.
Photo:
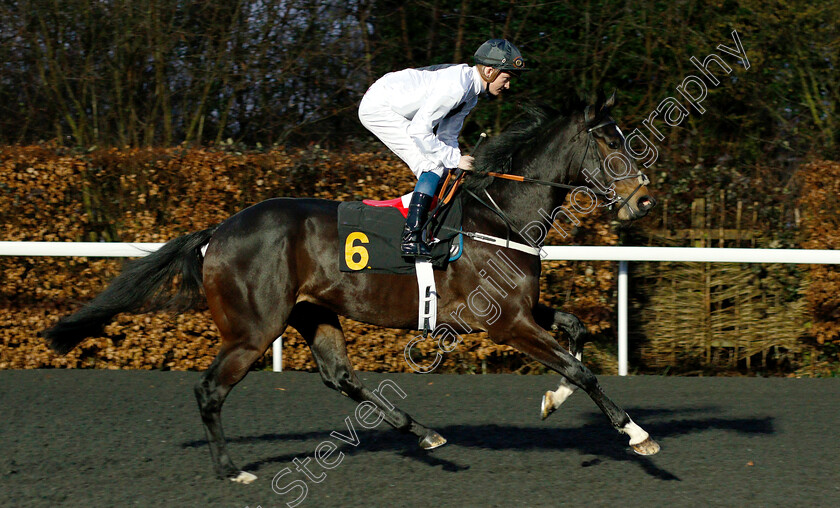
column 117, row 438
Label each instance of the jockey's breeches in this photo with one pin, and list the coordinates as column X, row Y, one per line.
column 392, row 129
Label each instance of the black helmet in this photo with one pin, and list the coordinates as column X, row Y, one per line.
column 500, row 54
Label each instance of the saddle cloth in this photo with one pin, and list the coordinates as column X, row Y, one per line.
column 370, row 236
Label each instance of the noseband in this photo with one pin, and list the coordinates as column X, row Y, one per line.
column 605, row 175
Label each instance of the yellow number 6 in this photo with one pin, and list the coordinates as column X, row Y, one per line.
column 350, row 250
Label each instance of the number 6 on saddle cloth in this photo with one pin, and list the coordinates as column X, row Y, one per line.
column 370, row 232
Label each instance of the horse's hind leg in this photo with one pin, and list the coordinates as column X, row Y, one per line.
column 228, row 368
column 552, row 320
column 322, row 331
column 247, row 326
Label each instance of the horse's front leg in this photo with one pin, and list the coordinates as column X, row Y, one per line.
column 553, row 320
column 527, row 336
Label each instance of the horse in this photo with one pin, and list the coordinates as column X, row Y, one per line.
column 276, row 264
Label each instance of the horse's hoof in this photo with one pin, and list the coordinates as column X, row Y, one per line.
column 243, row 477
column 547, row 405
column 432, row 440
column 646, row 447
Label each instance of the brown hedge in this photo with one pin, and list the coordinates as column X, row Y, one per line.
column 153, row 195
column 821, row 230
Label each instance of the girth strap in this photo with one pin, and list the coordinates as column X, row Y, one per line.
column 493, row 240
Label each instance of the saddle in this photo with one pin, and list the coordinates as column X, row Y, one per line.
column 370, row 233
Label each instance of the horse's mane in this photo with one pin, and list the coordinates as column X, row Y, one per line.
column 496, row 154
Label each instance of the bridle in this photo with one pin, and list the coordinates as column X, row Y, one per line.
column 605, row 175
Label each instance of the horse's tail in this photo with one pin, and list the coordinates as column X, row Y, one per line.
column 143, row 286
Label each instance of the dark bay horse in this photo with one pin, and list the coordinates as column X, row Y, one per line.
column 276, row 264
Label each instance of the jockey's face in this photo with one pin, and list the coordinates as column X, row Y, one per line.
column 498, row 85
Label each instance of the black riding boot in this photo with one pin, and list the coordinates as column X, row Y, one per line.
column 412, row 239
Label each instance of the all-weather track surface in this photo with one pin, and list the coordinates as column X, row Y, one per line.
column 134, row 438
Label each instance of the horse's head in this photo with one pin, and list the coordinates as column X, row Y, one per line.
column 607, row 167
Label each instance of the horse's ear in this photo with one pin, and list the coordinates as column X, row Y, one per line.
column 611, row 101
column 599, row 100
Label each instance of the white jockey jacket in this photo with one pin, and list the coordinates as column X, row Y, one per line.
column 439, row 96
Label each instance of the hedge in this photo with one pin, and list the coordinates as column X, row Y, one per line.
column 156, row 194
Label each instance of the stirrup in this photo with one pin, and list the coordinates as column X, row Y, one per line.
column 414, row 246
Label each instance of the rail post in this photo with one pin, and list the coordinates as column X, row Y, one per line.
column 622, row 318
column 277, row 354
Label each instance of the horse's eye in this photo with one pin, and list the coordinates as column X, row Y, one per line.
column 613, row 144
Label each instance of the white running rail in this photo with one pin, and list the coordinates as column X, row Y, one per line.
column 82, row 249
column 623, row 255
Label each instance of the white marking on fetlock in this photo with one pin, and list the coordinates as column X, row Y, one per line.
column 244, row 477
column 562, row 393
column 553, row 400
column 636, row 433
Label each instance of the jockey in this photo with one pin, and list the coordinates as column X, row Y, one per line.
column 419, row 113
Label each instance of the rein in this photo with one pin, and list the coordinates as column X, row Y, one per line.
column 525, row 179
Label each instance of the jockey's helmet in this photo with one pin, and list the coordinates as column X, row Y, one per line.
column 501, row 55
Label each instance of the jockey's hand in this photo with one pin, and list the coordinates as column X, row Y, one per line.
column 466, row 162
